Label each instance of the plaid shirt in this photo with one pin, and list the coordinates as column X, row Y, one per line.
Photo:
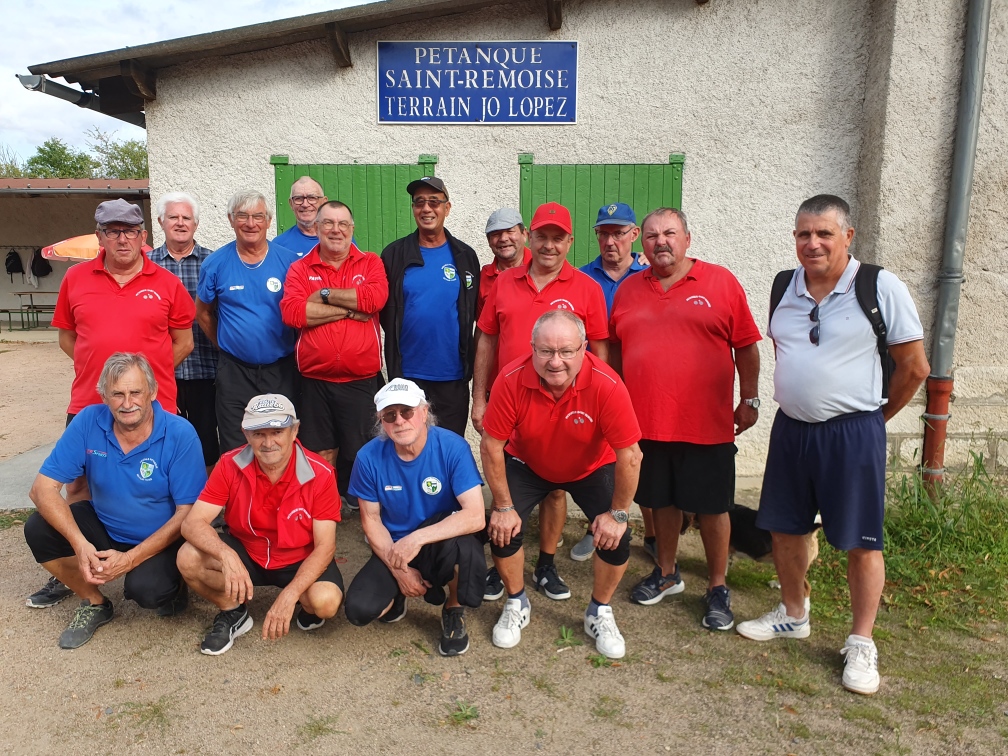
column 202, row 361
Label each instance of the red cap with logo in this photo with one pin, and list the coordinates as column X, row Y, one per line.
column 552, row 214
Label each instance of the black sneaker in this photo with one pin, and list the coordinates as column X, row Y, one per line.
column 656, row 586
column 177, row 605
column 719, row 614
column 88, row 618
column 396, row 612
column 226, row 627
column 454, row 638
column 48, row 595
column 307, row 621
column 494, row 588
column 549, row 582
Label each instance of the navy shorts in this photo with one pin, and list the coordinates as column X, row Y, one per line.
column 837, row 468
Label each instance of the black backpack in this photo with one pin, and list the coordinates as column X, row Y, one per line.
column 40, row 267
column 13, row 264
column 866, row 291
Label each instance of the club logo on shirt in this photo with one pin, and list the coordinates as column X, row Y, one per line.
column 699, row 300
column 450, row 274
column 578, row 417
column 239, row 287
column 148, row 294
column 273, row 284
column 298, row 514
column 358, row 279
column 393, row 488
column 147, row 468
column 431, row 486
column 562, row 304
column 97, row 453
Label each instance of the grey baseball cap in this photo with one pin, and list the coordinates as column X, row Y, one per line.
column 118, row 211
column 502, row 219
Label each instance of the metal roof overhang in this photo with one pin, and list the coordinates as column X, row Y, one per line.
column 125, row 79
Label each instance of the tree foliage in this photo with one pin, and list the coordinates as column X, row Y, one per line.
column 56, row 159
column 126, row 159
column 109, row 158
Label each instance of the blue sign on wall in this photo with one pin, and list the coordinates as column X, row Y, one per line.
column 531, row 82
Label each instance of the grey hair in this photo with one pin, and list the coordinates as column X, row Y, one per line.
column 242, row 202
column 379, row 428
column 118, row 365
column 824, row 203
column 667, row 211
column 176, row 198
column 551, row 315
column 305, row 180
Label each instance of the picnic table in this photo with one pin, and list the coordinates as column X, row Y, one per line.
column 29, row 311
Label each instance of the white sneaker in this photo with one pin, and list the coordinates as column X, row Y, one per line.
column 775, row 624
column 507, row 631
column 602, row 627
column 860, row 674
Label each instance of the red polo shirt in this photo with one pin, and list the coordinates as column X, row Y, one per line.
column 515, row 304
column 567, row 439
column 274, row 522
column 488, row 277
column 109, row 318
column 677, row 351
column 347, row 350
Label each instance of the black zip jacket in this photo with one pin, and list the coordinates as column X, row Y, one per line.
column 405, row 252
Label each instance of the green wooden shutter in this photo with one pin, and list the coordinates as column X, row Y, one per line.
column 583, row 189
column 375, row 194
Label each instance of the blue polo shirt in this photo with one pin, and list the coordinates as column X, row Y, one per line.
column 429, row 337
column 411, row 492
column 248, row 303
column 597, row 272
column 133, row 494
column 296, row 240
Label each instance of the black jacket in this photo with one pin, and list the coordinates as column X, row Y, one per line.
column 405, row 252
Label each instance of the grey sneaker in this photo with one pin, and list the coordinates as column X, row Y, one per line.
column 656, row 586
column 549, row 582
column 719, row 614
column 88, row 618
column 582, row 550
column 48, row 595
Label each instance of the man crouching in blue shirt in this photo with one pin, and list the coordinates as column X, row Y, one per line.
column 421, row 506
column 144, row 469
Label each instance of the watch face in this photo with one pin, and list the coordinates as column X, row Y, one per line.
column 619, row 515
column 754, row 403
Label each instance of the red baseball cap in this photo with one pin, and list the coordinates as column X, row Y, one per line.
column 552, row 214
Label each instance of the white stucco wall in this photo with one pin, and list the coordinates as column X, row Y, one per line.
column 766, row 99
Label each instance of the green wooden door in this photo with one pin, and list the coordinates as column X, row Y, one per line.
column 375, row 194
column 583, row 189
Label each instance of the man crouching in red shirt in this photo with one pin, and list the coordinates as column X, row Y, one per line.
column 280, row 511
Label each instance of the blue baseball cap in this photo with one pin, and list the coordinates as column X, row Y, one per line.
column 616, row 214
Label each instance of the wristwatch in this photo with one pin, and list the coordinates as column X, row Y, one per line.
column 324, row 293
column 620, row 515
column 754, row 402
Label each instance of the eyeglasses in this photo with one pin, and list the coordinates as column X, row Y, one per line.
column 255, row 217
column 813, row 334
column 389, row 416
column 300, row 199
column 614, row 235
column 567, row 353
column 432, row 202
column 329, row 225
column 129, row 233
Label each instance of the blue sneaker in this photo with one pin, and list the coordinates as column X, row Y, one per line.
column 719, row 614
column 656, row 586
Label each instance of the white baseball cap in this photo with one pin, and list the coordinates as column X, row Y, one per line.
column 269, row 411
column 399, row 391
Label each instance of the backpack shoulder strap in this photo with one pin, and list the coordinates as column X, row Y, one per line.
column 866, row 291
column 780, row 284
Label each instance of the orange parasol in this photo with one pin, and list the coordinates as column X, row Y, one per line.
column 76, row 249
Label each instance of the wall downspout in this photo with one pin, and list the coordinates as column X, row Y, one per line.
column 939, row 383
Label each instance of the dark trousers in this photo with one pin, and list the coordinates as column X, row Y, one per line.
column 238, row 382
column 152, row 583
column 197, row 403
column 449, row 401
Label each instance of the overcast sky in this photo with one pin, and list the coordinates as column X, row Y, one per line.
column 46, row 30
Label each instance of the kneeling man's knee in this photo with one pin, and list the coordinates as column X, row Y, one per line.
column 189, row 560
column 618, row 556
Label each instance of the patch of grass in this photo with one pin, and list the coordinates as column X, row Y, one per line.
column 143, row 716
column 608, row 707
column 119, row 683
column 865, row 713
column 794, row 673
column 567, row 639
column 317, row 727
column 463, row 713
column 13, row 517
column 420, row 645
column 395, row 653
column 541, row 683
column 599, row 660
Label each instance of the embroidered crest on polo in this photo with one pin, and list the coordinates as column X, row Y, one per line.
column 273, row 284
column 578, row 417
column 450, row 274
column 148, row 294
column 431, row 486
column 147, row 468
column 358, row 279
column 562, row 304
column 699, row 300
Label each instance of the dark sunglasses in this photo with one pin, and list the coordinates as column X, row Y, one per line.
column 813, row 334
column 389, row 416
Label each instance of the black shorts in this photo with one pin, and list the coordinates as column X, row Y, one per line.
column 698, row 478
column 592, row 493
column 449, row 401
column 282, row 576
column 237, row 382
column 152, row 583
column 196, row 401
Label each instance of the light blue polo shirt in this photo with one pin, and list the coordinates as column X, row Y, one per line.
column 133, row 494
column 248, row 303
column 414, row 491
column 429, row 337
column 598, row 274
